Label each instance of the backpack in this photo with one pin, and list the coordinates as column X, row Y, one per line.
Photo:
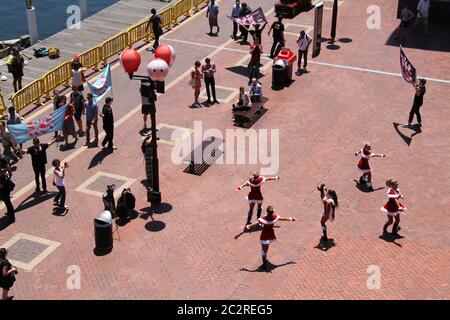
column 108, row 200
column 41, row 52
column 130, row 199
column 9, row 185
column 53, row 53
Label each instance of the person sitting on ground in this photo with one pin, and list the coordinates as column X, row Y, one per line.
column 255, row 91
column 244, row 100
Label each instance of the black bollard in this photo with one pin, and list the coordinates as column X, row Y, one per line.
column 334, row 20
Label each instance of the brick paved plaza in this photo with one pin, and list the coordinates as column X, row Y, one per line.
column 185, row 248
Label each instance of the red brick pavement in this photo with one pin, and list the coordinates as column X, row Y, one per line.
column 323, row 118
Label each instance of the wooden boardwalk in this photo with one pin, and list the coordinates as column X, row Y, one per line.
column 93, row 31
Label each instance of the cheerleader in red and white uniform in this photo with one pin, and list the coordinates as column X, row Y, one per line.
column 267, row 234
column 393, row 207
column 255, row 195
column 330, row 202
column 363, row 164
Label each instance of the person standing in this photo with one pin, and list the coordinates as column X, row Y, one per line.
column 212, row 13
column 278, row 36
column 77, row 74
column 91, row 119
column 7, row 274
column 58, row 181
column 393, row 207
column 268, row 232
column 77, row 99
column 245, row 10
column 257, row 31
column 196, row 82
column 156, row 22
column 406, row 17
column 255, row 196
column 330, row 203
column 418, row 101
column 15, row 64
column 56, row 105
column 38, row 153
column 235, row 13
column 68, row 124
column 423, row 8
column 255, row 60
column 364, row 166
column 6, row 187
column 13, row 118
column 303, row 41
column 8, row 143
column 208, row 71
column 108, row 124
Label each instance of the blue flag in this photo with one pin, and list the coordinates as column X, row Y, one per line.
column 102, row 85
column 32, row 129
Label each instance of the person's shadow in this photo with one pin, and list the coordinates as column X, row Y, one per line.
column 363, row 187
column 389, row 237
column 325, row 245
column 408, row 139
column 99, row 157
column 34, row 199
column 269, row 267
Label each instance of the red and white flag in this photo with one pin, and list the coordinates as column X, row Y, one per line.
column 408, row 70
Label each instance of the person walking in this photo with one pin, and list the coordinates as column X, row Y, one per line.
column 108, row 124
column 38, row 153
column 243, row 28
column 78, row 74
column 255, row 60
column 196, row 82
column 423, row 8
column 268, row 232
column 303, row 42
column 364, row 166
column 147, row 104
column 6, row 187
column 91, row 119
column 208, row 71
column 330, row 203
column 68, row 124
column 77, row 99
column 15, row 63
column 212, row 13
column 9, row 145
column 58, row 181
column 7, row 274
column 393, row 207
column 155, row 21
column 419, row 86
column 235, row 13
column 255, row 196
column 278, row 36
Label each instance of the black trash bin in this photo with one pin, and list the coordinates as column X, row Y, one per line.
column 278, row 75
column 103, row 232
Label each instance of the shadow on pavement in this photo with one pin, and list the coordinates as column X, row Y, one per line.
column 269, row 268
column 325, row 246
column 155, row 226
column 34, row 199
column 407, row 139
column 99, row 157
column 4, row 223
column 389, row 237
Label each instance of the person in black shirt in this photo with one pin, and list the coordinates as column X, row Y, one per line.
column 6, row 187
column 155, row 20
column 278, row 36
column 38, row 153
column 418, row 101
column 7, row 274
column 257, row 31
column 108, row 124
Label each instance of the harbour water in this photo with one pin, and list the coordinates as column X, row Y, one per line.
column 51, row 16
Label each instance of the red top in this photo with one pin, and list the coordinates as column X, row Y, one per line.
column 363, row 163
column 69, row 112
column 268, row 222
column 256, row 53
column 255, row 189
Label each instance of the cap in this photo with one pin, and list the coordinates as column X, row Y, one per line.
column 76, row 58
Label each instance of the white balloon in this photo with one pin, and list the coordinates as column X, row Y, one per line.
column 3, row 78
column 158, row 69
column 25, row 62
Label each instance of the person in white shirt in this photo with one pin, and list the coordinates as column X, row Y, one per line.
column 60, row 173
column 405, row 19
column 244, row 100
column 303, row 42
column 255, row 91
column 208, row 70
column 212, row 14
column 423, row 9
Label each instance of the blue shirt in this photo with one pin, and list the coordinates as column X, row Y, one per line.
column 255, row 90
column 235, row 13
column 91, row 110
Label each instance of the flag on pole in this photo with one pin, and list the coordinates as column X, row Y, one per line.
column 408, row 70
column 102, row 85
column 254, row 17
column 32, row 129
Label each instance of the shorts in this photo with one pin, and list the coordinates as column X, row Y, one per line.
column 68, row 127
column 213, row 22
column 146, row 108
column 78, row 113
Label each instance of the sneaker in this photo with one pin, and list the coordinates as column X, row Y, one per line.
column 217, row 102
column 37, row 190
column 145, row 126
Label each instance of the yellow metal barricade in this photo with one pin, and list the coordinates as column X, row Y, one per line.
column 56, row 77
column 91, row 58
column 180, row 9
column 166, row 17
column 196, row 3
column 31, row 93
column 2, row 104
column 113, row 46
column 139, row 32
